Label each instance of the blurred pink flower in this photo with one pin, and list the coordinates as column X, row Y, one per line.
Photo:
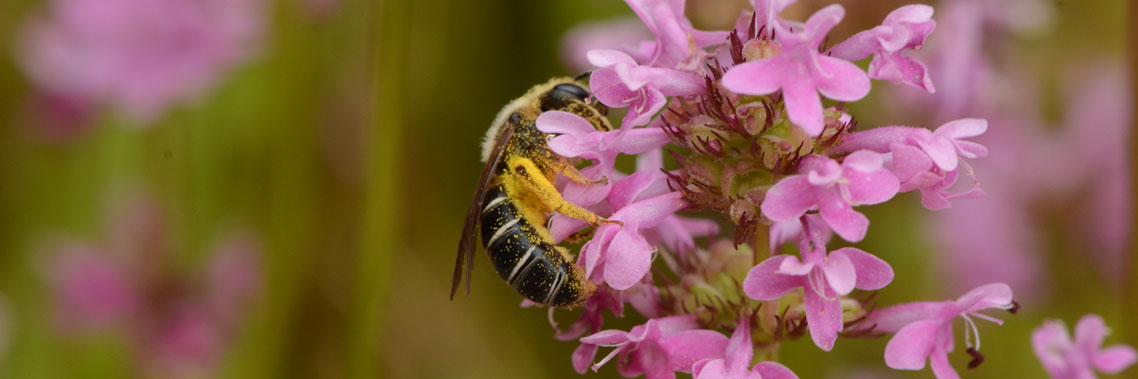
column 624, row 34
column 660, row 347
column 139, row 56
column 737, row 360
column 824, row 278
column 91, row 289
column 1079, row 359
column 801, row 72
column 177, row 322
column 833, row 189
column 923, row 330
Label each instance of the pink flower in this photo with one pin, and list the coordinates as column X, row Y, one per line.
column 833, row 189
column 823, row 278
column 621, row 82
column 924, row 160
column 737, row 358
column 91, row 290
column 923, row 330
column 904, row 29
column 801, row 72
column 620, row 255
column 1079, row 359
column 114, row 286
column 591, row 320
column 139, row 56
column 675, row 36
column 660, row 347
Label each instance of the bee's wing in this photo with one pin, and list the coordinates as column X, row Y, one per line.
column 464, row 262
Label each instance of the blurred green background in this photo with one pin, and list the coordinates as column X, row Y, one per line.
column 349, row 146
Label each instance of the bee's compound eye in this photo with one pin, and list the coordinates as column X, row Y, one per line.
column 561, row 95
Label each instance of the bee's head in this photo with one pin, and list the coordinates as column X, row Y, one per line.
column 560, row 96
column 568, row 96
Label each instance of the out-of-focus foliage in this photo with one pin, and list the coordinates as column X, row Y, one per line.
column 347, row 145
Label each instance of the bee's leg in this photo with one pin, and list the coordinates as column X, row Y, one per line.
column 571, row 172
column 530, row 177
column 580, row 236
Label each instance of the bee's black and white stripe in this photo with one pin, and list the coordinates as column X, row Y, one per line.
column 530, row 265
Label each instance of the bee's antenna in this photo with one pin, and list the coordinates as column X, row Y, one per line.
column 584, row 75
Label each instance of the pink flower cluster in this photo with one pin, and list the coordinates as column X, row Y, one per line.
column 138, row 56
column 176, row 322
column 754, row 118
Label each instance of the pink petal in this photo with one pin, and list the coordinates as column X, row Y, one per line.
column 688, row 347
column 637, row 141
column 710, row 369
column 898, row 68
column 892, row 319
column 840, row 273
column 1114, row 359
column 872, row 272
column 820, row 23
column 789, row 199
column 562, row 226
column 671, row 82
column 871, row 188
column 824, row 317
column 909, row 13
column 963, row 128
column 971, row 149
column 773, row 370
column 606, row 338
column 864, row 161
column 858, row 47
column 763, row 282
column 559, row 122
column 649, row 212
column 942, row 152
column 759, row 77
column 909, row 161
column 1089, row 333
column 740, row 348
column 994, row 295
column 628, row 259
column 912, row 345
column 583, row 357
column 803, row 106
column 876, row 139
column 591, row 252
column 940, row 365
column 792, row 266
column 841, row 80
column 934, row 200
column 846, row 222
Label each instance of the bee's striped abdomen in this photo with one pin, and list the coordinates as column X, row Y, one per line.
column 529, row 264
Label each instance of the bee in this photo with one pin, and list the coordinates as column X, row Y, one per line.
column 515, row 195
